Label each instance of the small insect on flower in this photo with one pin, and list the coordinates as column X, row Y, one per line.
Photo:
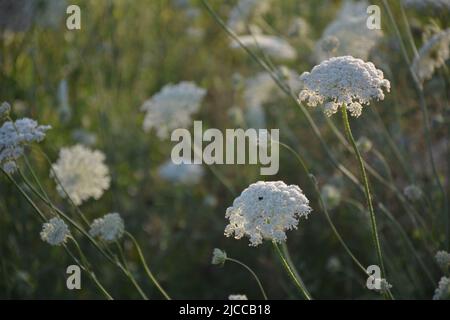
column 442, row 292
column 172, row 107
column 81, row 173
column 219, row 257
column 443, row 259
column 265, row 211
column 237, row 297
column 343, row 81
column 55, row 232
column 108, row 228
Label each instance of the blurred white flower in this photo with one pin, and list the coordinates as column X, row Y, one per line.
column 108, row 228
column 258, row 89
column 352, row 35
column 13, row 138
column 432, row 55
column 245, row 11
column 442, row 292
column 185, row 173
column 237, row 297
column 81, row 172
column 55, row 231
column 299, row 28
column 343, row 81
column 331, row 196
column 172, row 108
column 443, row 259
column 364, row 144
column 413, row 192
column 265, row 211
column 273, row 46
column 5, row 108
column 385, row 286
column 219, row 256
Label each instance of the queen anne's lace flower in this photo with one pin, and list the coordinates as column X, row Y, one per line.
column 108, row 228
column 13, row 138
column 81, row 172
column 443, row 259
column 273, row 46
column 5, row 108
column 432, row 55
column 266, row 210
column 55, row 231
column 245, row 11
column 442, row 292
column 184, row 173
column 172, row 107
column 348, row 34
column 343, row 81
column 219, row 256
column 237, row 297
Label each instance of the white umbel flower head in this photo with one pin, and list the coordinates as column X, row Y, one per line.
column 13, row 138
column 343, row 81
column 172, row 108
column 432, row 55
column 55, row 232
column 108, row 228
column 5, row 108
column 443, row 259
column 273, row 46
column 442, row 292
column 81, row 172
column 219, row 256
column 265, row 211
column 237, row 297
column 184, row 173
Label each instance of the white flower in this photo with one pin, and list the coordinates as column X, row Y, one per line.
column 343, row 81
column 258, row 89
column 364, row 144
column 5, row 108
column 443, row 259
column 244, row 11
column 348, row 34
column 385, row 286
column 432, row 55
column 265, row 211
column 413, row 192
column 13, row 138
column 219, row 256
column 55, row 232
column 108, row 228
column 237, row 297
column 81, row 172
column 273, row 46
column 184, row 173
column 172, row 108
column 331, row 196
column 442, row 292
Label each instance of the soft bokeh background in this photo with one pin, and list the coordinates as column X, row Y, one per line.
column 89, row 86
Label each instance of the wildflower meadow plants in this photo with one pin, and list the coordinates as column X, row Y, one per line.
column 358, row 206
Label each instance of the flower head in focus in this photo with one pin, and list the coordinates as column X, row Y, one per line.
column 172, row 107
column 343, row 81
column 265, row 211
column 237, row 297
column 55, row 232
column 81, row 173
column 442, row 292
column 219, row 256
column 108, row 228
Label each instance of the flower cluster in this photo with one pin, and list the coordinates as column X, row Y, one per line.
column 219, row 256
column 55, row 232
column 343, row 81
column 273, row 46
column 184, row 173
column 443, row 259
column 265, row 211
column 108, row 228
column 172, row 107
column 442, row 292
column 13, row 138
column 348, row 34
column 80, row 173
column 244, row 11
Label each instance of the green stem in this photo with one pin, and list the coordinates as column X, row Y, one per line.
column 147, row 269
column 252, row 273
column 299, row 284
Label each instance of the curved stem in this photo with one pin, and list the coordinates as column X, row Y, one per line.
column 147, row 269
column 373, row 221
column 252, row 273
column 299, row 284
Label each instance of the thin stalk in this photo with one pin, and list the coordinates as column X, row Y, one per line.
column 146, row 268
column 252, row 273
column 288, row 269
